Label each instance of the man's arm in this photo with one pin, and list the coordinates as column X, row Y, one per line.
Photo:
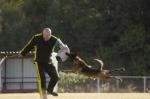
column 61, row 44
column 29, row 46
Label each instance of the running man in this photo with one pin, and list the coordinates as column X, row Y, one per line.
column 43, row 45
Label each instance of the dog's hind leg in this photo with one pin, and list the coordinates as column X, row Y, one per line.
column 113, row 78
column 118, row 69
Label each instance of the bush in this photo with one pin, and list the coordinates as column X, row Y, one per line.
column 67, row 81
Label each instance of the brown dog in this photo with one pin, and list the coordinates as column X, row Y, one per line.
column 81, row 67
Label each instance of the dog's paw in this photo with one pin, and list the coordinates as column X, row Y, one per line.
column 120, row 79
column 123, row 69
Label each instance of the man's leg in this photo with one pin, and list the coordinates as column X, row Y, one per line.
column 51, row 70
column 41, row 80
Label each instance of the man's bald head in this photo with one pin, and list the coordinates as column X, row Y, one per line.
column 46, row 34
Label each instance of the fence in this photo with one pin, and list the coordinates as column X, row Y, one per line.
column 19, row 84
column 129, row 84
column 19, row 74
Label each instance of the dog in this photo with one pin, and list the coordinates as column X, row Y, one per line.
column 81, row 67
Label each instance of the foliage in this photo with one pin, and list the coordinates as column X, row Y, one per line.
column 69, row 80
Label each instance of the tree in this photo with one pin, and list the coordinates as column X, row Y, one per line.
column 12, row 23
column 116, row 31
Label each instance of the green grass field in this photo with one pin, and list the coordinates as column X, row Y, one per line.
column 79, row 96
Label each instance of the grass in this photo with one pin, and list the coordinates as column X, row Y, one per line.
column 79, row 96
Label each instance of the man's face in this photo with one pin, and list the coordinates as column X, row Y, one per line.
column 46, row 34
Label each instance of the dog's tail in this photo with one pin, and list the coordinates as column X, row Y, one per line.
column 100, row 62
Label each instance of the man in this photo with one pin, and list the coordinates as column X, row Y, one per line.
column 43, row 45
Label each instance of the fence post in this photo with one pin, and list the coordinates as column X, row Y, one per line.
column 98, row 87
column 144, row 81
column 117, row 85
column 0, row 79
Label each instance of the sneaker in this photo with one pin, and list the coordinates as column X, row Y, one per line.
column 53, row 93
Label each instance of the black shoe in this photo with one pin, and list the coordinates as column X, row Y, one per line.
column 53, row 93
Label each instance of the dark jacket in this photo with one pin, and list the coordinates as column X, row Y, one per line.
column 43, row 50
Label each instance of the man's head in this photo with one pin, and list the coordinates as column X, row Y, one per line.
column 46, row 34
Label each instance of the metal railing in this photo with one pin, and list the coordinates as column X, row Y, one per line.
column 129, row 84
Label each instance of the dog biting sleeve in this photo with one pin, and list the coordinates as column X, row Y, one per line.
column 63, row 50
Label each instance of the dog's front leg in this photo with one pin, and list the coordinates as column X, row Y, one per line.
column 75, row 70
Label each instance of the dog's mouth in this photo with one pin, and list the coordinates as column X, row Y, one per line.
column 72, row 56
column 68, row 54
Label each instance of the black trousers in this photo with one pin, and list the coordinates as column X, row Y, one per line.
column 43, row 68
